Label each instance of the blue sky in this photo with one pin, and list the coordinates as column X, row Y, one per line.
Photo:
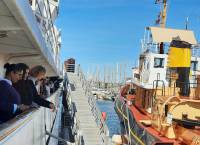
column 109, row 31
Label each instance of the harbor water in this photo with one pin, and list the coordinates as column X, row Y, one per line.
column 112, row 119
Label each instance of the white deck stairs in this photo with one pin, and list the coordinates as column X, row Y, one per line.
column 88, row 126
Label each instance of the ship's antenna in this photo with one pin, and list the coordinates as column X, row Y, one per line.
column 162, row 17
column 186, row 23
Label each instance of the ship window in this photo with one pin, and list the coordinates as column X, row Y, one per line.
column 158, row 62
column 194, row 65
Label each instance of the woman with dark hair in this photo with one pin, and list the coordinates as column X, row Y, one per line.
column 25, row 70
column 27, row 89
column 10, row 101
column 22, row 86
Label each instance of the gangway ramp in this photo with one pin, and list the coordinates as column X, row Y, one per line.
column 88, row 126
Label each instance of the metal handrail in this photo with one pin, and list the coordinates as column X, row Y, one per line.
column 59, row 138
column 76, row 125
column 104, row 131
column 176, row 84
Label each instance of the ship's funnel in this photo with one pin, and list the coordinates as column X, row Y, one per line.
column 179, row 54
column 179, row 59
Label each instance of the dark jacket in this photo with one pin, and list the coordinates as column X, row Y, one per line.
column 8, row 97
column 24, row 89
column 29, row 94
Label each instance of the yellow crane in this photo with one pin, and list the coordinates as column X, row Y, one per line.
column 163, row 14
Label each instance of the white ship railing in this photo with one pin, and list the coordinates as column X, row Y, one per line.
column 196, row 51
column 147, row 45
column 30, row 127
column 47, row 28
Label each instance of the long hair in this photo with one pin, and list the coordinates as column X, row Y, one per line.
column 23, row 67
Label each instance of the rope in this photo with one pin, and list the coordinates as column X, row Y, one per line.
column 129, row 128
column 132, row 132
column 124, row 120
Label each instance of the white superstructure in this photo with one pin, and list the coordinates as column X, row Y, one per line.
column 153, row 64
column 28, row 33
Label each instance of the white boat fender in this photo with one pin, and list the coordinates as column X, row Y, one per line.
column 117, row 139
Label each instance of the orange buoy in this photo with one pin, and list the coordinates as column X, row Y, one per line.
column 103, row 115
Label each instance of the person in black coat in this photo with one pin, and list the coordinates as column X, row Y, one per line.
column 22, row 86
column 10, row 101
column 28, row 91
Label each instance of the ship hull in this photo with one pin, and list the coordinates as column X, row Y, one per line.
column 139, row 134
